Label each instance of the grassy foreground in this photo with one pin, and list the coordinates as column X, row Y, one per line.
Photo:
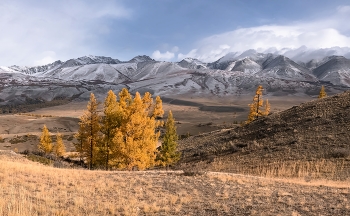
column 28, row 188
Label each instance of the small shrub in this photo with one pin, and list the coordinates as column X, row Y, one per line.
column 193, row 172
column 241, row 145
column 25, row 152
column 340, row 153
column 40, row 159
column 184, row 136
column 18, row 139
column 58, row 164
column 70, row 138
column 38, row 153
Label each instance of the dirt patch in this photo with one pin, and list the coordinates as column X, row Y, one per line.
column 222, row 109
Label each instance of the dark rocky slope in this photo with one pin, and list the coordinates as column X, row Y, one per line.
column 316, row 130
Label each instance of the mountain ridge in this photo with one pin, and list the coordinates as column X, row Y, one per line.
column 235, row 74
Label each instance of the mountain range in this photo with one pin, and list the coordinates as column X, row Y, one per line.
column 233, row 74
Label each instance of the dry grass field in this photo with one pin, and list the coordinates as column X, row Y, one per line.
column 27, row 188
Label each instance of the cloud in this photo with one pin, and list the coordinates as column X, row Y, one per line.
column 316, row 34
column 345, row 9
column 166, row 56
column 175, row 49
column 48, row 57
column 70, row 28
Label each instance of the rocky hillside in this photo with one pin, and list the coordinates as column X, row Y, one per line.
column 315, row 130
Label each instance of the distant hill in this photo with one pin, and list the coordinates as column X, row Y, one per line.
column 316, row 130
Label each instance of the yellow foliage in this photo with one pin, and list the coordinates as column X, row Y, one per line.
column 136, row 138
column 109, row 123
column 125, row 136
column 59, row 149
column 45, row 144
column 322, row 93
column 158, row 111
column 266, row 108
column 255, row 108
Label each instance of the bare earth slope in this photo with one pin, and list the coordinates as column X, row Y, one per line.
column 315, row 130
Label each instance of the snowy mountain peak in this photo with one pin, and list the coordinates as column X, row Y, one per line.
column 228, row 57
column 5, row 69
column 90, row 59
column 141, row 58
column 192, row 63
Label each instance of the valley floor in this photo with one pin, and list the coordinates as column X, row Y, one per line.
column 193, row 116
column 28, row 188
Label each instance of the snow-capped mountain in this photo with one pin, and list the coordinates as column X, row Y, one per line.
column 234, row 74
column 192, row 63
column 85, row 60
column 33, row 70
column 143, row 58
column 245, row 65
column 336, row 70
column 282, row 67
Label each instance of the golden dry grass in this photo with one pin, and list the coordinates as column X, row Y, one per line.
column 330, row 169
column 27, row 188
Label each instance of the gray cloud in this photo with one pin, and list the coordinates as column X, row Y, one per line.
column 325, row 33
column 38, row 32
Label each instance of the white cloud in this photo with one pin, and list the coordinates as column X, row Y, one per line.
column 70, row 28
column 344, row 9
column 48, row 57
column 312, row 34
column 175, row 49
column 166, row 56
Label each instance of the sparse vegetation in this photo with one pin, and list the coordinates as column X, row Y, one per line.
column 32, row 189
column 35, row 115
column 40, row 159
column 340, row 153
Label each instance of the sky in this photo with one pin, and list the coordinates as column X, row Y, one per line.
column 37, row 32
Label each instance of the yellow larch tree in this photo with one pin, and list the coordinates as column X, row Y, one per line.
column 109, row 124
column 158, row 111
column 45, row 144
column 59, row 148
column 255, row 108
column 136, row 137
column 89, row 133
column 168, row 154
column 147, row 102
column 266, row 108
column 81, row 138
column 322, row 93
